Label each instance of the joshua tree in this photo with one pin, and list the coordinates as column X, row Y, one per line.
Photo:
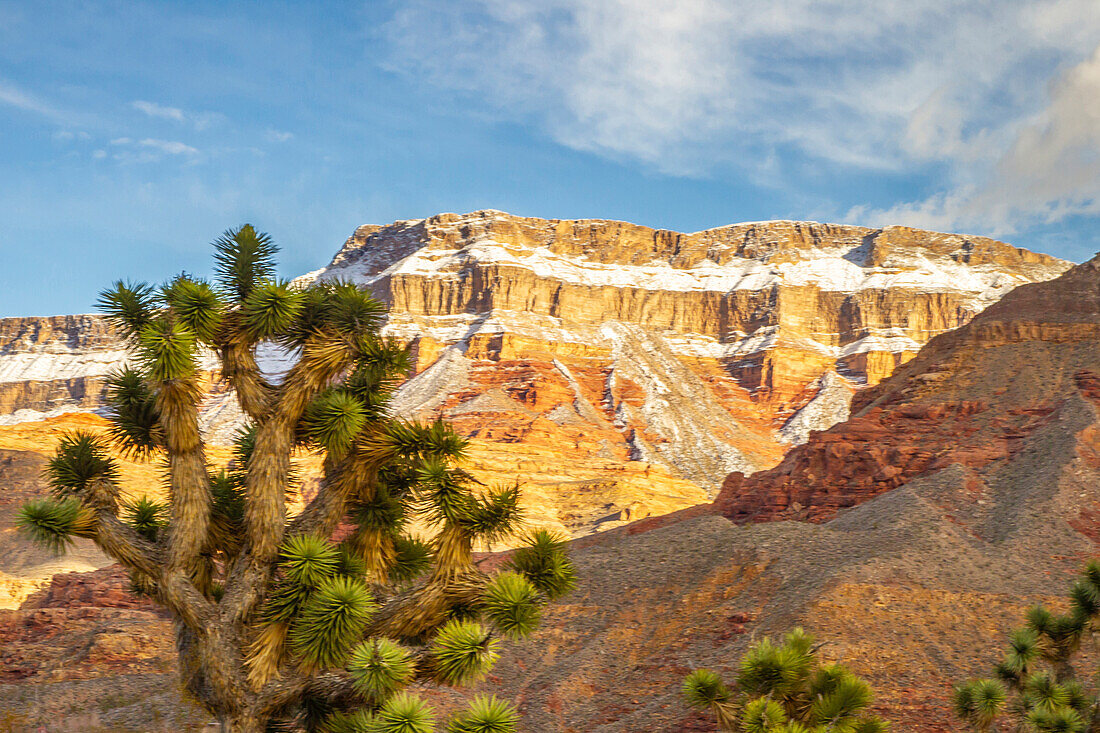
column 785, row 689
column 329, row 618
column 1034, row 686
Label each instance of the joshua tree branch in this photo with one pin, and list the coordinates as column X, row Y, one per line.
column 240, row 370
column 189, row 483
column 124, row 544
column 323, row 358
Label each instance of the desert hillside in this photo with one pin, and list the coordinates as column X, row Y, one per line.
column 910, row 536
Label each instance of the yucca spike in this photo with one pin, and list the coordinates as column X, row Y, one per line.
column 512, row 605
column 330, row 622
column 52, row 523
column 243, row 258
column 129, row 307
column 135, row 428
column 195, row 304
column 404, row 713
column 703, row 688
column 486, row 715
column 381, row 667
column 543, row 560
column 462, row 652
column 269, row 310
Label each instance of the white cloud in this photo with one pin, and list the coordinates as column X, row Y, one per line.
column 696, row 85
column 13, row 96
column 152, row 109
column 1049, row 170
column 198, row 120
column 277, row 136
column 172, row 147
column 150, row 150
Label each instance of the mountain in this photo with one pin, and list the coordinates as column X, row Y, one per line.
column 963, row 489
column 617, row 370
column 913, row 583
column 909, row 538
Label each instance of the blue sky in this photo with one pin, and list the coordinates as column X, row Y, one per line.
column 131, row 134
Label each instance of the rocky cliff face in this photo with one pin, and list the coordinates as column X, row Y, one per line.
column 696, row 354
column 965, row 488
column 54, row 364
column 971, row 398
column 630, row 365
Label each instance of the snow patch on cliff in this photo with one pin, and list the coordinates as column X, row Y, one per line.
column 29, row 415
column 678, row 410
column 44, row 366
column 831, row 269
column 827, row 408
column 428, row 390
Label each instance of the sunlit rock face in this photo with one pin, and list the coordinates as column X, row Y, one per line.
column 617, row 370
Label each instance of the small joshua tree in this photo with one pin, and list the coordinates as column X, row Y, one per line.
column 785, row 689
column 1035, row 687
column 326, row 620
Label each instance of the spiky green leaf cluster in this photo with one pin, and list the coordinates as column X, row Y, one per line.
column 404, row 713
column 270, row 309
column 243, row 258
column 167, row 350
column 542, row 559
column 380, row 667
column 308, row 560
column 147, row 517
column 783, row 688
column 330, row 621
column 1035, row 685
column 81, row 464
column 135, row 419
column 51, row 523
column 511, row 604
column 412, row 558
column 762, row 715
column 130, row 307
column 197, row 306
column 334, row 419
column 704, row 687
column 462, row 652
column 486, row 715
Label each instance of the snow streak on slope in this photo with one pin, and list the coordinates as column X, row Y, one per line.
column 827, row 408
column 678, row 408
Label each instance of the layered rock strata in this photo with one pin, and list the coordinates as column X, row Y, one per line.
column 696, row 354
column 965, row 488
column 605, row 355
column 971, row 398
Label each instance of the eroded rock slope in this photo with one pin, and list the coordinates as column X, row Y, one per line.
column 628, row 366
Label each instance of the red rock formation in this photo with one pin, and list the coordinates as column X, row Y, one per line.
column 971, row 397
column 107, row 587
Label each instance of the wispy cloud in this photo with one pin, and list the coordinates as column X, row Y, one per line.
column 13, row 96
column 1050, row 169
column 277, row 136
column 149, row 150
column 700, row 85
column 152, row 109
column 172, row 147
column 198, row 120
column 70, row 135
